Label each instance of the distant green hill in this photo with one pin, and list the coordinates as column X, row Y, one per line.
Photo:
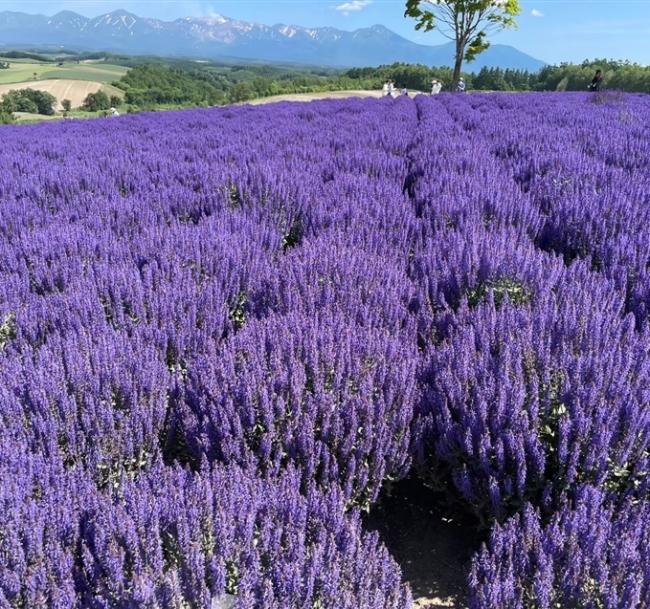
column 26, row 69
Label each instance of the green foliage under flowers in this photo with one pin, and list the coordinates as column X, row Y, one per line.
column 516, row 292
column 8, row 330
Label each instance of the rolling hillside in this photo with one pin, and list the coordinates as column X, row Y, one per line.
column 23, row 71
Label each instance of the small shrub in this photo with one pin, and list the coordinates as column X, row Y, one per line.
column 6, row 118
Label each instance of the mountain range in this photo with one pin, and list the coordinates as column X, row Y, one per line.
column 220, row 37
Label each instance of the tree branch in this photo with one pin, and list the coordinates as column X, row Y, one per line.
column 467, row 22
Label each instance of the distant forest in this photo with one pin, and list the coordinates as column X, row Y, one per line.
column 188, row 83
column 622, row 76
column 212, row 84
column 154, row 82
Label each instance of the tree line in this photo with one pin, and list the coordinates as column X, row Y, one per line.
column 26, row 100
column 182, row 84
column 186, row 83
column 619, row 75
column 152, row 85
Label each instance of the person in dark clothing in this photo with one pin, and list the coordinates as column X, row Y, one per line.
column 596, row 81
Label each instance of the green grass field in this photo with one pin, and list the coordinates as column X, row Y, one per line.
column 24, row 71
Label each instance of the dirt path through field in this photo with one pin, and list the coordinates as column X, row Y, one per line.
column 74, row 90
column 307, row 97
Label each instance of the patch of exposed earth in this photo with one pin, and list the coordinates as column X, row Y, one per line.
column 433, row 552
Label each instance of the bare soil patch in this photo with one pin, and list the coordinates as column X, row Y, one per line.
column 434, row 553
column 307, row 97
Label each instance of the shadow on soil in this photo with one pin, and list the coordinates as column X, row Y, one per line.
column 433, row 552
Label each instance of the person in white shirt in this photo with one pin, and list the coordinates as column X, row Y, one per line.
column 436, row 87
column 461, row 86
column 391, row 88
column 384, row 90
column 404, row 92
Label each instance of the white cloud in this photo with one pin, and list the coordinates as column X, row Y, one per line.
column 354, row 6
column 536, row 13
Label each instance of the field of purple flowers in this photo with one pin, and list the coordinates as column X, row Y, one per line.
column 225, row 334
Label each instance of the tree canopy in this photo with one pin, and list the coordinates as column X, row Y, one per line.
column 28, row 100
column 467, row 22
column 97, row 101
column 156, row 84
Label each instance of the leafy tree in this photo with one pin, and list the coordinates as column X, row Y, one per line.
column 97, row 101
column 413, row 76
column 15, row 101
column 150, row 84
column 467, row 22
column 6, row 118
column 116, row 101
column 28, row 100
column 241, row 92
column 4, row 65
column 66, row 105
column 498, row 79
column 45, row 102
column 620, row 75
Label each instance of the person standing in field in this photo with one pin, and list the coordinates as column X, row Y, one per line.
column 436, row 87
column 391, row 88
column 596, row 81
column 404, row 92
column 461, row 86
column 384, row 90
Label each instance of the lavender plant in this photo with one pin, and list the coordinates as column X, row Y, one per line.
column 173, row 538
column 319, row 392
column 590, row 554
column 222, row 331
column 538, row 382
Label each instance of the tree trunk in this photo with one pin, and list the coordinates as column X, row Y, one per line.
column 458, row 64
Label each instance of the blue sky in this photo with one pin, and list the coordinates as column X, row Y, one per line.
column 551, row 30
